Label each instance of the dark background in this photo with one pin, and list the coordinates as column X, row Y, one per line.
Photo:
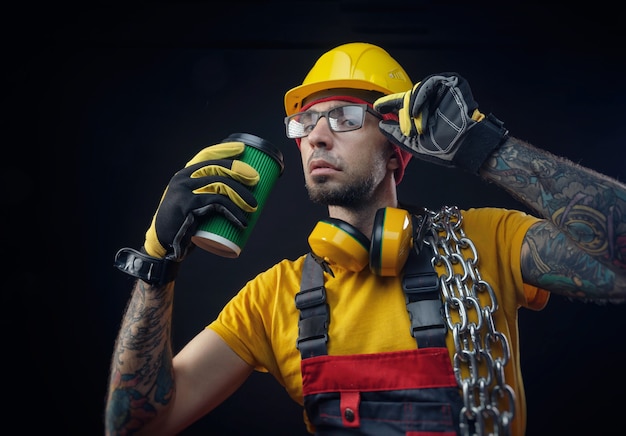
column 105, row 102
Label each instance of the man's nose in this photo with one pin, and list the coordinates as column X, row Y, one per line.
column 321, row 133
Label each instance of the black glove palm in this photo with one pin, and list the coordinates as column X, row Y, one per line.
column 212, row 182
column 439, row 121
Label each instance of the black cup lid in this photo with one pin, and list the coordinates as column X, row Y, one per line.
column 259, row 143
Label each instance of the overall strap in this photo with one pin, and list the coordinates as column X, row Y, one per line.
column 314, row 311
column 423, row 300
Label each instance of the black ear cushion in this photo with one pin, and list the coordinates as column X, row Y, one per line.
column 349, row 229
column 376, row 243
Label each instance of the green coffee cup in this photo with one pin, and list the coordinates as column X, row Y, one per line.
column 218, row 235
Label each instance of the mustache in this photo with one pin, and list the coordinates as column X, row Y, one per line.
column 321, row 154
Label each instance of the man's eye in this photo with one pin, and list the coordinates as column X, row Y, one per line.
column 307, row 121
column 349, row 122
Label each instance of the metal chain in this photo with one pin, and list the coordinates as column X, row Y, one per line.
column 481, row 352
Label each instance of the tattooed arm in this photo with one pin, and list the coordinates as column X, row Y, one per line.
column 141, row 380
column 580, row 249
column 149, row 391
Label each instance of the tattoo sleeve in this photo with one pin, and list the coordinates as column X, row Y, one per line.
column 580, row 251
column 141, row 378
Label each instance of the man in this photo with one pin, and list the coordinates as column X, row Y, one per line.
column 401, row 320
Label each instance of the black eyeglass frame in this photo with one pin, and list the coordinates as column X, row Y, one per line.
column 324, row 114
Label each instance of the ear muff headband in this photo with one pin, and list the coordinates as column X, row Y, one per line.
column 337, row 242
column 392, row 239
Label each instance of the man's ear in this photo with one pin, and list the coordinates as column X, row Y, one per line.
column 393, row 162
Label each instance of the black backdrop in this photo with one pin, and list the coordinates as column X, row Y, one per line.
column 106, row 101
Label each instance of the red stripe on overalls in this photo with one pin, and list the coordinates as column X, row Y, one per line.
column 352, row 374
column 410, row 369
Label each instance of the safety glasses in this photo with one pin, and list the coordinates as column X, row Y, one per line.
column 340, row 119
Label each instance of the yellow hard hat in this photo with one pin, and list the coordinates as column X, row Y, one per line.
column 356, row 65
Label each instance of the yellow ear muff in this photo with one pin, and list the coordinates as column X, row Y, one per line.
column 337, row 242
column 392, row 239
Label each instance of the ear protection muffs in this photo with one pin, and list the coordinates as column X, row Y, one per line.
column 338, row 242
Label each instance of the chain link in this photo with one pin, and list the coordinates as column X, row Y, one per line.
column 481, row 352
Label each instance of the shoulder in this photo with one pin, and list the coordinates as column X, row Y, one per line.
column 496, row 231
column 281, row 275
column 498, row 220
column 285, row 267
column 497, row 214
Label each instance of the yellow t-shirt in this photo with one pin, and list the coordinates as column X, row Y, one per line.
column 368, row 313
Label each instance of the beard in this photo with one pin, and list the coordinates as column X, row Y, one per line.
column 349, row 195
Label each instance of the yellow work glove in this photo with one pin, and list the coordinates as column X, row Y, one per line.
column 439, row 121
column 214, row 181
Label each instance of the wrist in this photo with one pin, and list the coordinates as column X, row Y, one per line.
column 152, row 270
column 480, row 141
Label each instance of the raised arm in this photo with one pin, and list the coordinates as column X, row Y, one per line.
column 579, row 251
column 150, row 391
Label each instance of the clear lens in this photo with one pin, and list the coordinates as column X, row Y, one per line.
column 346, row 118
column 340, row 119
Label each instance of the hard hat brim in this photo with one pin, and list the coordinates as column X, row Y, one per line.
column 295, row 96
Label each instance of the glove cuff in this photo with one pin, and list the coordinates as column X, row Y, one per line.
column 479, row 142
column 153, row 270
